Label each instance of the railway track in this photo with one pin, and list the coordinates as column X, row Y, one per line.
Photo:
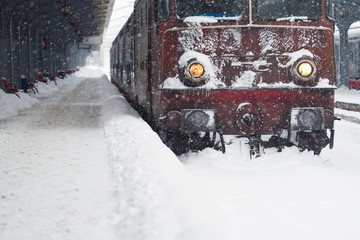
column 353, row 107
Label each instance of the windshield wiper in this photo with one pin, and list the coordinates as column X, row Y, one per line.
column 293, row 19
column 216, row 15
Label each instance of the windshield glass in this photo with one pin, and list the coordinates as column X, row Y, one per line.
column 211, row 8
column 289, row 9
column 330, row 8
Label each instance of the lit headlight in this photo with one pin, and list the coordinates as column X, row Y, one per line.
column 196, row 70
column 305, row 71
column 195, row 74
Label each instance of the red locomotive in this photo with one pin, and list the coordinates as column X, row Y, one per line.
column 259, row 69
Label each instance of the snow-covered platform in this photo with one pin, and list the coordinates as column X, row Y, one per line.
column 55, row 182
column 347, row 103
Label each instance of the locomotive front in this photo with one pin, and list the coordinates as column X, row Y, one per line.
column 247, row 68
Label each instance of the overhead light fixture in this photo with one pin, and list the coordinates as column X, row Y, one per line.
column 342, row 13
column 65, row 9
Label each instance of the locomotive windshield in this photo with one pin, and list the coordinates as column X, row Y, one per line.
column 289, row 9
column 211, row 8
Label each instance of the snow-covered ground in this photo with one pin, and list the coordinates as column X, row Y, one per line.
column 79, row 163
column 343, row 94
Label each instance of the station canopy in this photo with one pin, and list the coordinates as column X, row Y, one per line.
column 87, row 17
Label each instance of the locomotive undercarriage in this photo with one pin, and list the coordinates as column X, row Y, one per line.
column 306, row 130
column 253, row 146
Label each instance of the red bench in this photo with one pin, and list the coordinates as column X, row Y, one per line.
column 42, row 79
column 11, row 89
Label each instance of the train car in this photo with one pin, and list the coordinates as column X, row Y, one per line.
column 354, row 55
column 263, row 70
column 354, row 63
